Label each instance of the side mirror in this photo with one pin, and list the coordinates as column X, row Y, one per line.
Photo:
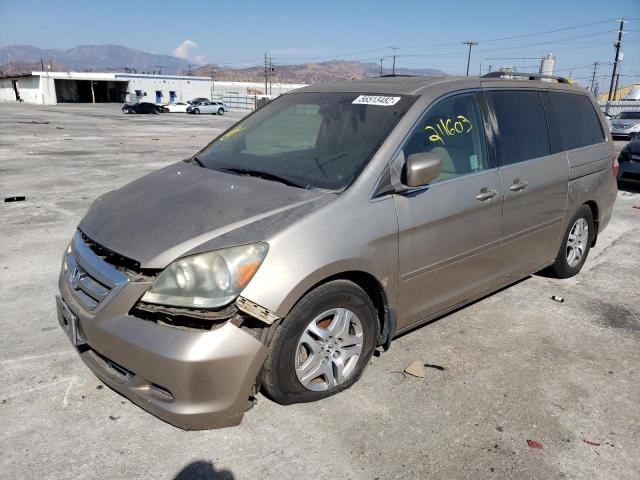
column 422, row 168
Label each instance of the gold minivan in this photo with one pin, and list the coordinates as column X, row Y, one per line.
column 313, row 231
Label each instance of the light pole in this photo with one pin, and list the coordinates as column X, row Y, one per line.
column 471, row 44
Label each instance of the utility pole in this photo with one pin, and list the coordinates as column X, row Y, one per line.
column 471, row 44
column 618, row 44
column 381, row 66
column 593, row 77
column 615, row 88
column 271, row 70
column 393, row 68
column 42, row 64
column 265, row 74
column 213, row 70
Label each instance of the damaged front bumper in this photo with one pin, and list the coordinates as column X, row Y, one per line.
column 193, row 379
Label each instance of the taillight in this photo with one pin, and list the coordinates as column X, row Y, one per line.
column 614, row 165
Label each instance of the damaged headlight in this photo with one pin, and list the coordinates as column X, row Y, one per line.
column 207, row 280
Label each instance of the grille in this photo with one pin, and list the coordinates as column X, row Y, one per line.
column 122, row 263
column 91, row 280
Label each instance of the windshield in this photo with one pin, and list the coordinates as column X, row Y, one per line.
column 313, row 140
column 629, row 116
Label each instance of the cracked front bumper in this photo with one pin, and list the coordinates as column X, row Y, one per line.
column 193, row 379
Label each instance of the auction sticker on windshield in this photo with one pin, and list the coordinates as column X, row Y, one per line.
column 376, row 100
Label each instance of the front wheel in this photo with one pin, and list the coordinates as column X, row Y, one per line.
column 576, row 244
column 220, row 111
column 196, row 111
column 323, row 345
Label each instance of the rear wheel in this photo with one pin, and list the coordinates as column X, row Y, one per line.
column 196, row 111
column 220, row 111
column 323, row 345
column 575, row 244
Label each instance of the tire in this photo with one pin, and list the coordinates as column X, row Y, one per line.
column 566, row 265
column 323, row 308
column 196, row 111
column 220, row 111
column 125, row 111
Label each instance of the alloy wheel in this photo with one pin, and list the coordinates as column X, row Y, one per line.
column 329, row 349
column 577, row 241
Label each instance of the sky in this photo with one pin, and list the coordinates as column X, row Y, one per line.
column 426, row 33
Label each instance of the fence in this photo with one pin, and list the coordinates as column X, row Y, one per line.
column 614, row 108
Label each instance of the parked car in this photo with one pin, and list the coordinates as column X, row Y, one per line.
column 629, row 162
column 625, row 124
column 197, row 100
column 177, row 107
column 216, row 108
column 321, row 226
column 142, row 107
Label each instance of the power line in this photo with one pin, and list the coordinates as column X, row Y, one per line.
column 454, row 44
column 548, row 42
column 548, row 31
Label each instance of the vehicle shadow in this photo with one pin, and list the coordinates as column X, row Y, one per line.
column 203, row 470
column 629, row 187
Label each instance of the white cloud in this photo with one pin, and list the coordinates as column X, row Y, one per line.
column 184, row 51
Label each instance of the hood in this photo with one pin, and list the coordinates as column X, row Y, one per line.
column 185, row 209
column 633, row 147
column 627, row 122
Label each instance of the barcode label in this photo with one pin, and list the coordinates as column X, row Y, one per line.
column 376, row 100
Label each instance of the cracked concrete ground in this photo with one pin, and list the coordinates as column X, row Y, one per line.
column 517, row 365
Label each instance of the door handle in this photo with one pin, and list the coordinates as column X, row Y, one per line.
column 486, row 194
column 518, row 185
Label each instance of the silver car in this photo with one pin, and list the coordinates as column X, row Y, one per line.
column 626, row 124
column 313, row 231
column 214, row 107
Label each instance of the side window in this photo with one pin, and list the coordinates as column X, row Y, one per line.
column 522, row 126
column 576, row 120
column 452, row 129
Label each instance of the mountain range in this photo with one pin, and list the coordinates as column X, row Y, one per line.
column 17, row 59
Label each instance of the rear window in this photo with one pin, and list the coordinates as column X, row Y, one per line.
column 522, row 126
column 576, row 120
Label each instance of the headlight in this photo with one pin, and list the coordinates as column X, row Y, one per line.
column 207, row 280
column 635, row 128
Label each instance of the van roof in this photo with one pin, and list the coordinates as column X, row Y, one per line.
column 417, row 85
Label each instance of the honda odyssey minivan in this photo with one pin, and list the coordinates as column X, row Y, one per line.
column 279, row 256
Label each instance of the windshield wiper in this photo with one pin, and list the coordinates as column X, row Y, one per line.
column 266, row 176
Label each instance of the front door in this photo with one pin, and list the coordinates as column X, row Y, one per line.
column 535, row 181
column 449, row 231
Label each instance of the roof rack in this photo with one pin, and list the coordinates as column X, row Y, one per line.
column 528, row 76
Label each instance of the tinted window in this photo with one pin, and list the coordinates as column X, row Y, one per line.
column 576, row 120
column 629, row 116
column 522, row 126
column 312, row 139
column 453, row 130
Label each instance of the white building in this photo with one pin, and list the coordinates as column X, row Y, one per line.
column 50, row 88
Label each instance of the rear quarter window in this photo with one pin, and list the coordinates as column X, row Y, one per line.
column 576, row 120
